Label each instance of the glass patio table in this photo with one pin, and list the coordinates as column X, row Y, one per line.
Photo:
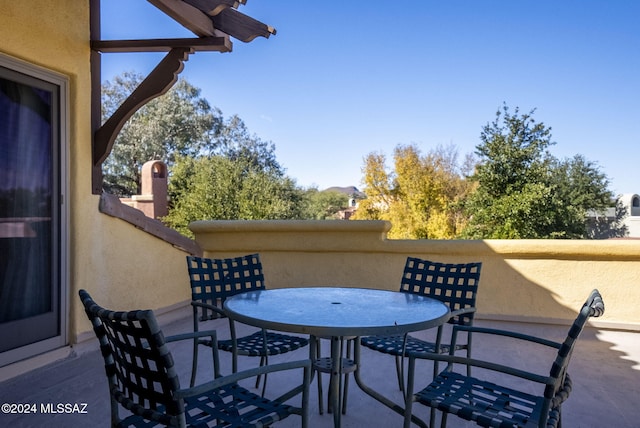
column 339, row 312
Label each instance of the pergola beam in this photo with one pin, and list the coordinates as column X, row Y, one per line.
column 214, row 7
column 213, row 21
column 208, row 44
column 221, row 14
column 241, row 26
column 188, row 16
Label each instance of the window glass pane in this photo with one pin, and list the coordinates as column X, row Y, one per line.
column 28, row 127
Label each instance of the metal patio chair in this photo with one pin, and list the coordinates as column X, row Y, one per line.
column 454, row 284
column 143, row 380
column 497, row 405
column 212, row 282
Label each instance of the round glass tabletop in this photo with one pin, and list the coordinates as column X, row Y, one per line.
column 337, row 311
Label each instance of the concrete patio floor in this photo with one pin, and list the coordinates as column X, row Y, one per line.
column 605, row 370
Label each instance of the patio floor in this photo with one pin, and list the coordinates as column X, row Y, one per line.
column 605, row 370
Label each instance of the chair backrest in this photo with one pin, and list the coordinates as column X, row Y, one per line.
column 593, row 307
column 454, row 284
column 213, row 280
column 139, row 367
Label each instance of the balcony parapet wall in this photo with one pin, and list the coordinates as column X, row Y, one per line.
column 542, row 281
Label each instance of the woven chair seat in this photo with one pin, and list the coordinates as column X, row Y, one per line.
column 454, row 284
column 229, row 406
column 142, row 378
column 487, row 404
column 253, row 344
column 215, row 280
column 490, row 404
column 393, row 345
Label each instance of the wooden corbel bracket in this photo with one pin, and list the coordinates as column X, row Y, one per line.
column 157, row 83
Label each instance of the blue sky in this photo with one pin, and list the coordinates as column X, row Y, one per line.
column 341, row 79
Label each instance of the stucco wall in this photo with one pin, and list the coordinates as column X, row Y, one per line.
column 528, row 280
column 121, row 266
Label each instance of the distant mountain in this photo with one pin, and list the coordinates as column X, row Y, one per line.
column 350, row 190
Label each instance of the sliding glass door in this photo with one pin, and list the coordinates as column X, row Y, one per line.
column 32, row 220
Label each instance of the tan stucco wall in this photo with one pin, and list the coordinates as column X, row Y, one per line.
column 528, row 280
column 121, row 266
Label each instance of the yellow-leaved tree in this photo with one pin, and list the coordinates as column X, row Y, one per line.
column 420, row 196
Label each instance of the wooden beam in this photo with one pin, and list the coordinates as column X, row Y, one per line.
column 216, row 44
column 96, row 91
column 158, row 82
column 213, row 7
column 241, row 26
column 226, row 19
column 188, row 16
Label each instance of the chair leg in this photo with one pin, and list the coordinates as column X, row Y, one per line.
column 194, row 363
column 329, row 396
column 196, row 343
column 443, row 422
column 234, row 362
column 399, row 373
column 320, row 400
column 263, row 362
column 408, row 393
column 469, row 337
column 319, row 376
column 345, row 388
column 258, row 377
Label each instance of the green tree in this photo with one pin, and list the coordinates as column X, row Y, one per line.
column 378, row 188
column 420, row 197
column 323, row 205
column 179, row 123
column 605, row 227
column 235, row 142
column 523, row 191
column 218, row 188
column 236, row 178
